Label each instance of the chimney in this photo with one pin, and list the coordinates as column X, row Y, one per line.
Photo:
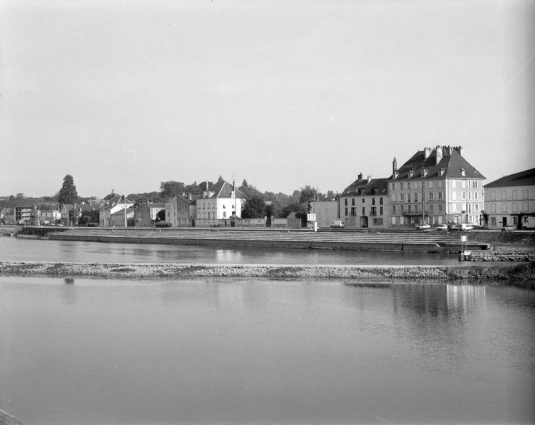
column 360, row 176
column 369, row 179
column 427, row 152
column 460, row 150
column 439, row 154
column 395, row 167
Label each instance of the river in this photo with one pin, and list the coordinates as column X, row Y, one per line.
column 265, row 351
column 15, row 249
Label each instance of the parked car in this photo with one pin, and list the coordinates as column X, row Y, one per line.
column 467, row 227
column 442, row 228
column 423, row 227
column 337, row 224
column 509, row 228
column 453, row 227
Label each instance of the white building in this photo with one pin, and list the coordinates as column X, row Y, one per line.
column 220, row 205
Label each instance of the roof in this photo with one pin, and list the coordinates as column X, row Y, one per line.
column 122, row 212
column 110, row 203
column 523, row 178
column 363, row 187
column 223, row 189
column 452, row 162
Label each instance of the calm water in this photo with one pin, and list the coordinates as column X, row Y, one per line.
column 14, row 249
column 261, row 351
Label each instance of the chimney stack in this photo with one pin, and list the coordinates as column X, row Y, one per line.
column 427, row 152
column 369, row 179
column 439, row 154
column 360, row 176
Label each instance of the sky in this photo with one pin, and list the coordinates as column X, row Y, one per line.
column 123, row 95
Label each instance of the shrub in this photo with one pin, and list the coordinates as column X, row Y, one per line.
column 163, row 224
column 92, row 224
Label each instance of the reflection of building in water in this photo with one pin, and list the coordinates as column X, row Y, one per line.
column 461, row 298
column 229, row 256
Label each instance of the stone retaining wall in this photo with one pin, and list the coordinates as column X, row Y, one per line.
column 500, row 256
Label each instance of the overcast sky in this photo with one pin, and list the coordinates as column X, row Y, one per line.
column 126, row 94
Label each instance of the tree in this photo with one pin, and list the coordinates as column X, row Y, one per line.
column 308, row 194
column 171, row 188
column 220, row 179
column 273, row 209
column 68, row 193
column 254, row 207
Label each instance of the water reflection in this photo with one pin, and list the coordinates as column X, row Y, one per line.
column 14, row 249
column 271, row 351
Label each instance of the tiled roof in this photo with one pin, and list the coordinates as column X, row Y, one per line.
column 223, row 189
column 452, row 163
column 523, row 178
column 364, row 188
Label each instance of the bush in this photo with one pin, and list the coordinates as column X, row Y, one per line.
column 92, row 224
column 163, row 224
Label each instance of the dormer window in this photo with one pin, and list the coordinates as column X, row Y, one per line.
column 463, row 172
column 411, row 173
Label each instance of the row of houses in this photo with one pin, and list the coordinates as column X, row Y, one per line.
column 435, row 186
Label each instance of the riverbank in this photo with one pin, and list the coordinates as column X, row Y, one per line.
column 524, row 272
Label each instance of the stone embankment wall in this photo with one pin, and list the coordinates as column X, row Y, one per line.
column 502, row 271
column 500, row 256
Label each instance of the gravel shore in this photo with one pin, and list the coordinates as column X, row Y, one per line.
column 501, row 272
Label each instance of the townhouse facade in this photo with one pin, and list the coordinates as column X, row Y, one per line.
column 110, row 207
column 364, row 203
column 436, row 186
column 180, row 211
column 219, row 205
column 510, row 200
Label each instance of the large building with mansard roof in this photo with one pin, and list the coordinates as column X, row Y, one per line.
column 436, row 186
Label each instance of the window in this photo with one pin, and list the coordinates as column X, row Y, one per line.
column 514, row 195
column 345, row 211
column 474, row 184
column 475, row 196
column 415, row 197
column 492, row 208
column 393, row 197
column 469, row 196
column 492, row 196
column 363, row 210
column 409, row 208
column 525, row 206
column 515, row 220
column 504, row 195
column 401, row 197
column 454, row 184
column 408, row 197
column 453, row 207
column 353, row 211
column 431, row 208
column 402, row 208
column 224, row 214
column 440, row 196
column 381, row 201
column 454, row 196
column 463, row 184
column 504, row 208
column 373, row 201
column 393, row 186
column 352, row 201
column 380, row 210
column 476, row 207
column 515, row 207
column 469, row 183
column 394, row 209
column 493, row 221
column 430, row 196
column 363, row 200
column 439, row 184
column 345, row 202
column 440, row 207
column 525, row 195
column 401, row 186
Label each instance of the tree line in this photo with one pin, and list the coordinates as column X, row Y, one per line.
column 257, row 204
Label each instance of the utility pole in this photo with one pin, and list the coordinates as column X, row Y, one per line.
column 423, row 202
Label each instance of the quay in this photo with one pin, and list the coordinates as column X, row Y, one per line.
column 264, row 238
